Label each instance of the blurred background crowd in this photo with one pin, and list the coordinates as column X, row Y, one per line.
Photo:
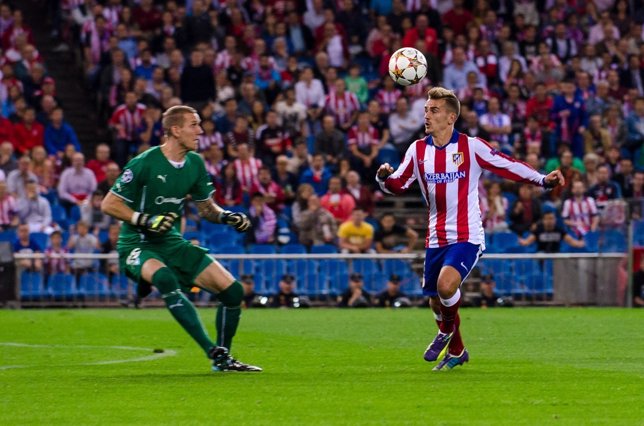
column 298, row 112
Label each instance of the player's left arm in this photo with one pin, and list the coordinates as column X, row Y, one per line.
column 210, row 211
column 511, row 168
column 202, row 193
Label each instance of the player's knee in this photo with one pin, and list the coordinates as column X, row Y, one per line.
column 232, row 296
column 446, row 287
column 165, row 280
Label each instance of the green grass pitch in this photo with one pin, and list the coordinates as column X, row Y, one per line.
column 533, row 366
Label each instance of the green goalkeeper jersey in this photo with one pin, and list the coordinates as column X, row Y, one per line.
column 151, row 184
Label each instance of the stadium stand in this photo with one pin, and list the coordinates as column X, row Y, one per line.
column 113, row 72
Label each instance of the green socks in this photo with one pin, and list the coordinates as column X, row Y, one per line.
column 181, row 308
column 228, row 314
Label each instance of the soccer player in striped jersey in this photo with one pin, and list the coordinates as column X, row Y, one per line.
column 448, row 165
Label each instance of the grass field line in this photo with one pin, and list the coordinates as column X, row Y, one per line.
column 155, row 356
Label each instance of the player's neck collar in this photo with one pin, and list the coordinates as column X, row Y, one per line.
column 429, row 140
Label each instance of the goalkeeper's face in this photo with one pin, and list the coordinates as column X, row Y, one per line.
column 190, row 131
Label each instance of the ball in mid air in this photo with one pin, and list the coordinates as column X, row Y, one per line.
column 407, row 66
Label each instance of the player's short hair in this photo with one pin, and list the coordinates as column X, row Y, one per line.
column 174, row 116
column 451, row 100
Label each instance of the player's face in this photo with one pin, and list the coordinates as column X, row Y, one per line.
column 190, row 131
column 437, row 117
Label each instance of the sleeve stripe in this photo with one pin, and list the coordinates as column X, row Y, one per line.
column 206, row 199
column 120, row 196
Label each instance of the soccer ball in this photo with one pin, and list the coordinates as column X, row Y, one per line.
column 407, row 66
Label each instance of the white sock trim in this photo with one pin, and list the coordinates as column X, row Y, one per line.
column 452, row 300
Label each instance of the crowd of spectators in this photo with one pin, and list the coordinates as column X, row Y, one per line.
column 298, row 110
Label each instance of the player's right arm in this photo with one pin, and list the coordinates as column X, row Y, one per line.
column 399, row 181
column 157, row 224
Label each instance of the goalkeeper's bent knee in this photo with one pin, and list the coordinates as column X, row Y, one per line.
column 165, row 281
column 232, row 296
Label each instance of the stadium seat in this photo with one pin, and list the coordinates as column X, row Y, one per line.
column 227, row 249
column 332, row 267
column 364, row 266
column 196, row 235
column 41, row 239
column 261, row 249
column 59, row 216
column 62, row 286
column 396, row 266
column 31, row 286
column 9, row 235
column 506, row 242
column 375, row 282
column 217, row 241
column 272, row 270
column 411, row 286
column 338, row 283
column 324, row 249
column 119, row 285
column 293, row 248
column 262, row 286
column 241, row 267
column 301, row 267
column 74, row 215
column 210, row 228
column 388, row 155
column 592, row 241
column 638, row 232
column 314, row 284
column 93, row 286
column 103, row 235
column 614, row 241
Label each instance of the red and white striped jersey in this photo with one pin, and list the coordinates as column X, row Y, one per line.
column 387, row 100
column 127, row 121
column 7, row 209
column 247, row 172
column 580, row 212
column 449, row 179
column 342, row 106
column 363, row 138
column 206, row 140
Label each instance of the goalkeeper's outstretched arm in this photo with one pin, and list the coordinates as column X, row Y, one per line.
column 210, row 211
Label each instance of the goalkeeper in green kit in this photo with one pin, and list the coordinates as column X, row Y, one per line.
column 149, row 197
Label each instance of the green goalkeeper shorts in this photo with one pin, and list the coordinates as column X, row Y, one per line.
column 186, row 260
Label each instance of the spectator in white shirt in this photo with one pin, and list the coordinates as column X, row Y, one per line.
column 455, row 75
column 505, row 61
column 403, row 125
column 34, row 210
column 17, row 179
column 497, row 124
column 77, row 183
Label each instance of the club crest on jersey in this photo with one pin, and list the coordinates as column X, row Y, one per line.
column 458, row 158
column 127, row 176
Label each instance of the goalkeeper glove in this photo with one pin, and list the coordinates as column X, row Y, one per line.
column 239, row 221
column 154, row 224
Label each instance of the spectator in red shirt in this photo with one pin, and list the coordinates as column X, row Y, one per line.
column 147, row 16
column 539, row 106
column 340, row 204
column 29, row 133
column 99, row 164
column 7, row 132
column 422, row 31
column 457, row 18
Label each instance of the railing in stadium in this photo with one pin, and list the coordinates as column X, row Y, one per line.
column 570, row 278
